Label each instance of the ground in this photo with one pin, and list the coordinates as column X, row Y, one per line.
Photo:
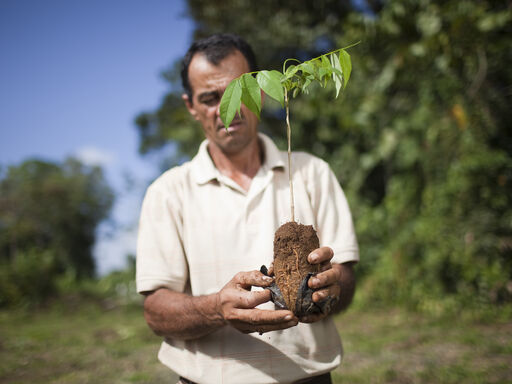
column 395, row 346
column 90, row 342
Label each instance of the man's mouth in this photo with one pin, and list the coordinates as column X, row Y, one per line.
column 232, row 126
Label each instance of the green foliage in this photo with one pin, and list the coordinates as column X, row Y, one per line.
column 421, row 142
column 114, row 289
column 430, row 184
column 28, row 279
column 251, row 95
column 48, row 218
column 270, row 83
column 232, row 99
column 335, row 66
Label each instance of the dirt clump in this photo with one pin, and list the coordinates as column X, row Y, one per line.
column 293, row 242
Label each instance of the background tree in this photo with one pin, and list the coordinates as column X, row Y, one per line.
column 276, row 30
column 49, row 214
column 421, row 142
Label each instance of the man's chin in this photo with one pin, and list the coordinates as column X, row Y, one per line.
column 232, row 141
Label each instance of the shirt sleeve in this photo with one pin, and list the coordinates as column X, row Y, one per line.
column 161, row 261
column 334, row 220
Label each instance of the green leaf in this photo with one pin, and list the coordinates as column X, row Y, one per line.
column 322, row 72
column 325, row 71
column 346, row 65
column 306, row 84
column 270, row 82
column 337, row 73
column 251, row 95
column 307, row 68
column 291, row 71
column 230, row 102
column 325, row 62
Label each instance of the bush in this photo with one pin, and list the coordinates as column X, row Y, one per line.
column 29, row 278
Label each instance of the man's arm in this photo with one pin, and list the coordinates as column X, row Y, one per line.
column 177, row 315
column 335, row 280
column 181, row 316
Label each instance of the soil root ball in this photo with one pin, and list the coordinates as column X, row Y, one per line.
column 293, row 243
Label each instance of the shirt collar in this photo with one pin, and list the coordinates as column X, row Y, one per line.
column 204, row 169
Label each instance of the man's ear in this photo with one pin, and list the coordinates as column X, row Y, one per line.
column 189, row 105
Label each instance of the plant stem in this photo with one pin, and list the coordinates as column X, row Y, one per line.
column 289, row 134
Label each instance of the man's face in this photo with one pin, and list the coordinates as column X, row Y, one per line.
column 208, row 82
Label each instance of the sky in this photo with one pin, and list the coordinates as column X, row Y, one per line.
column 73, row 77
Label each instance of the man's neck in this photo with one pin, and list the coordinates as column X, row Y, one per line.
column 240, row 167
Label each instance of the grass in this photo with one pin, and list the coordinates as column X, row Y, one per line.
column 87, row 343
column 97, row 342
column 396, row 346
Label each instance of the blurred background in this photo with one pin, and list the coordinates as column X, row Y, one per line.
column 421, row 142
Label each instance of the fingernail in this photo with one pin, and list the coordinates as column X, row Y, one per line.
column 267, row 278
column 288, row 317
column 313, row 257
column 315, row 281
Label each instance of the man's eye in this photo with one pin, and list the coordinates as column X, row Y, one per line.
column 210, row 101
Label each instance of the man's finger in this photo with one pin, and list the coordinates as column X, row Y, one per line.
column 322, row 294
column 271, row 269
column 324, row 279
column 253, row 278
column 252, row 299
column 262, row 316
column 325, row 266
column 320, row 255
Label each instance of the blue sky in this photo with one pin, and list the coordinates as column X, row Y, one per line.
column 73, row 76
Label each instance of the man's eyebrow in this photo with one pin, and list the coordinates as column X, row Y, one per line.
column 207, row 95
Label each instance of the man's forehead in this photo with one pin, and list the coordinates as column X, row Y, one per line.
column 203, row 73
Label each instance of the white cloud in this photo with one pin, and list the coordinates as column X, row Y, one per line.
column 95, row 156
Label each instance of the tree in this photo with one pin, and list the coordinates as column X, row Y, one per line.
column 432, row 173
column 48, row 218
column 276, row 30
column 420, row 142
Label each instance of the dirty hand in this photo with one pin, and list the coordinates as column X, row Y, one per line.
column 236, row 304
column 327, row 281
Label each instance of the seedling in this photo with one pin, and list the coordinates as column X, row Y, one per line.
column 334, row 66
column 292, row 241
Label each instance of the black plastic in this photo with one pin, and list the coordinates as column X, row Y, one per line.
column 304, row 305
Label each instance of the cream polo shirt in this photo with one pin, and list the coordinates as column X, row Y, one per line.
column 198, row 228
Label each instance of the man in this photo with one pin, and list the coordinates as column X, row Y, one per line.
column 205, row 222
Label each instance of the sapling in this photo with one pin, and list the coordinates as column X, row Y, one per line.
column 334, row 66
column 293, row 242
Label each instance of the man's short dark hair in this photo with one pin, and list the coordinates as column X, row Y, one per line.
column 216, row 48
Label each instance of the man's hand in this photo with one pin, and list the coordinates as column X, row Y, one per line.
column 237, row 304
column 335, row 281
